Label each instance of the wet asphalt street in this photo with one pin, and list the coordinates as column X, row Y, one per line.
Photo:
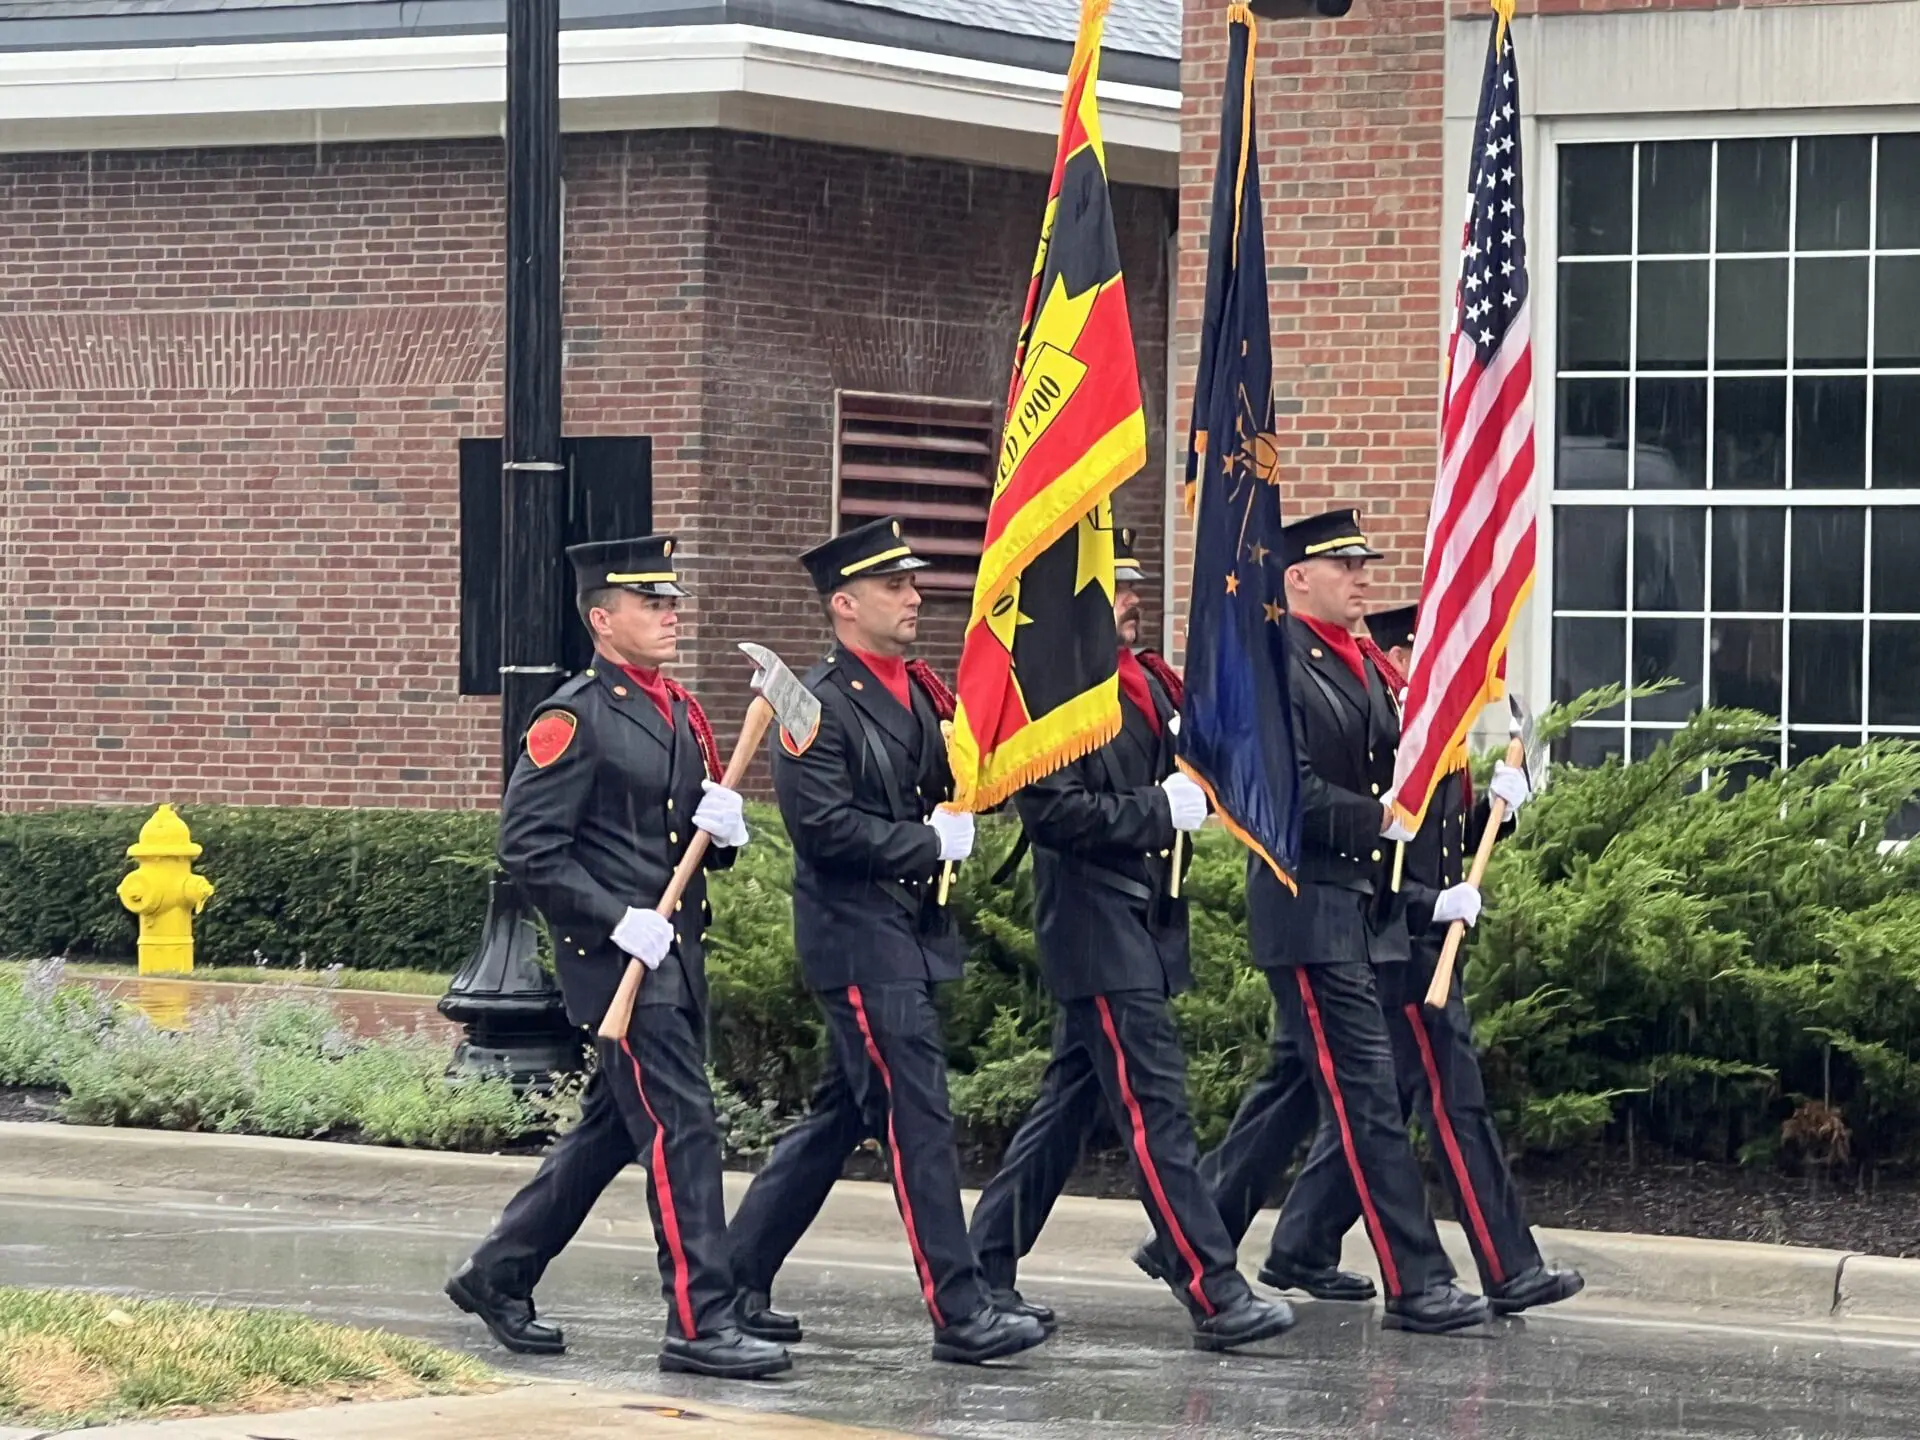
column 1120, row 1369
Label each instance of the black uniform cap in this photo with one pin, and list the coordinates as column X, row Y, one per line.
column 1126, row 565
column 1394, row 627
column 644, row 566
column 876, row 548
column 1335, row 535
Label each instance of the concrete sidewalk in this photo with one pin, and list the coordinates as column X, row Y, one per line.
column 525, row 1412
column 1086, row 1240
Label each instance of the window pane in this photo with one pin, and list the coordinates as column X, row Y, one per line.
column 1673, row 315
column 1834, row 174
column 1676, row 182
column 1672, row 454
column 1896, row 561
column 1594, row 307
column 1896, row 311
column 1593, row 435
column 1586, row 655
column 1830, row 312
column 1906, row 824
column 1667, row 650
column 1830, row 432
column 1896, row 673
column 1823, row 683
column 1754, row 181
column 1590, row 558
column 1750, row 433
column 1596, row 199
column 1669, row 559
column 1896, row 431
column 1749, row 559
column 1746, row 664
column 1806, row 744
column 1647, row 739
column 1900, row 192
column 1588, row 745
column 1828, row 560
column 1750, row 316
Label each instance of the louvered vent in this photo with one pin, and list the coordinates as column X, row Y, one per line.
column 930, row 462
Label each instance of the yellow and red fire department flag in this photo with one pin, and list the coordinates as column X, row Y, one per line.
column 1037, row 685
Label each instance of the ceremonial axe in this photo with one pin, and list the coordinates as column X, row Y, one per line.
column 1523, row 753
column 778, row 695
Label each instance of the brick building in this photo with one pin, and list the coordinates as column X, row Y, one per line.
column 252, row 293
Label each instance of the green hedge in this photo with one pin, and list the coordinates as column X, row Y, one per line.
column 1723, row 974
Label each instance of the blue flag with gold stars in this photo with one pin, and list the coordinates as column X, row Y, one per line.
column 1236, row 725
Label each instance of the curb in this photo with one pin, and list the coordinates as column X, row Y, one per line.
column 524, row 1412
column 1086, row 1240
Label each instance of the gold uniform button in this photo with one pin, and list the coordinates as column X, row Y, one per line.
column 1376, row 789
column 583, row 952
column 676, row 906
column 1376, row 855
column 673, row 837
column 1319, row 654
column 1166, row 854
column 669, row 802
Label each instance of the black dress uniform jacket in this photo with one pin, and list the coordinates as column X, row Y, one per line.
column 1345, row 737
column 865, row 862
column 1102, row 834
column 600, row 829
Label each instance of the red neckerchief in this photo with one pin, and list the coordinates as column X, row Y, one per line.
column 890, row 671
column 1343, row 644
column 1133, row 684
column 653, row 685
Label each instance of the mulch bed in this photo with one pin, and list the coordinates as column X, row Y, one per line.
column 1600, row 1190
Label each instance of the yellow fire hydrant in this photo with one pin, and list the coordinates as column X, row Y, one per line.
column 165, row 893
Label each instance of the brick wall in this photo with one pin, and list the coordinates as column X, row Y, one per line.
column 1350, row 152
column 231, row 384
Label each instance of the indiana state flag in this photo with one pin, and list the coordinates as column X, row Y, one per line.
column 1236, row 725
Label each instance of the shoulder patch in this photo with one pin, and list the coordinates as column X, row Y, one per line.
column 550, row 736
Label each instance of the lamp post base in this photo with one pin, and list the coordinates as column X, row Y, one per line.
column 515, row 1019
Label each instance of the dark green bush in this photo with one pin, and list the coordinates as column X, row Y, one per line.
column 1712, row 967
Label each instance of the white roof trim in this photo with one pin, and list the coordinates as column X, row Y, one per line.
column 735, row 76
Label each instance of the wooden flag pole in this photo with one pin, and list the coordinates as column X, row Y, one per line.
column 1442, row 985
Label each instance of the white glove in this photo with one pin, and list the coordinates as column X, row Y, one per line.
column 722, row 814
column 646, row 935
column 1461, row 902
column 1511, row 785
column 955, row 829
column 1187, row 801
column 1395, row 831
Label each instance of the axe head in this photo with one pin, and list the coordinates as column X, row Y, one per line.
column 1520, row 726
column 794, row 706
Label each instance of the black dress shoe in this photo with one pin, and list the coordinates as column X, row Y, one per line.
column 754, row 1313
column 1436, row 1311
column 724, row 1355
column 988, row 1334
column 1244, row 1323
column 510, row 1317
column 1147, row 1257
column 1012, row 1302
column 1323, row 1283
column 1535, row 1287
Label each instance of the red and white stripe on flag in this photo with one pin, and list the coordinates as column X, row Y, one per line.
column 1481, row 533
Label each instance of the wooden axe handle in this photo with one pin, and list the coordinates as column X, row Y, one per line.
column 613, row 1025
column 1442, row 985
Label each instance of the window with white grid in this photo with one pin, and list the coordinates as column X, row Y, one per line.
column 1737, row 477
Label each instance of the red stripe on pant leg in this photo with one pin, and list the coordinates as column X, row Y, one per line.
column 669, row 1215
column 1389, row 1272
column 893, row 1147
column 1138, row 1123
column 1451, row 1142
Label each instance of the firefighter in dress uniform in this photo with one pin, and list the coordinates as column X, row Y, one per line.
column 1433, row 1050
column 1113, row 948
column 859, row 804
column 1321, row 947
column 618, row 772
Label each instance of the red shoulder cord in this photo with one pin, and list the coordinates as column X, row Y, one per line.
column 1163, row 672
column 1389, row 672
column 702, row 729
column 936, row 688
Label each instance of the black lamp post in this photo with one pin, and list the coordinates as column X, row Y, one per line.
column 516, row 1022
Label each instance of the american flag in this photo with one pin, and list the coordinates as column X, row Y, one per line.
column 1480, row 535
